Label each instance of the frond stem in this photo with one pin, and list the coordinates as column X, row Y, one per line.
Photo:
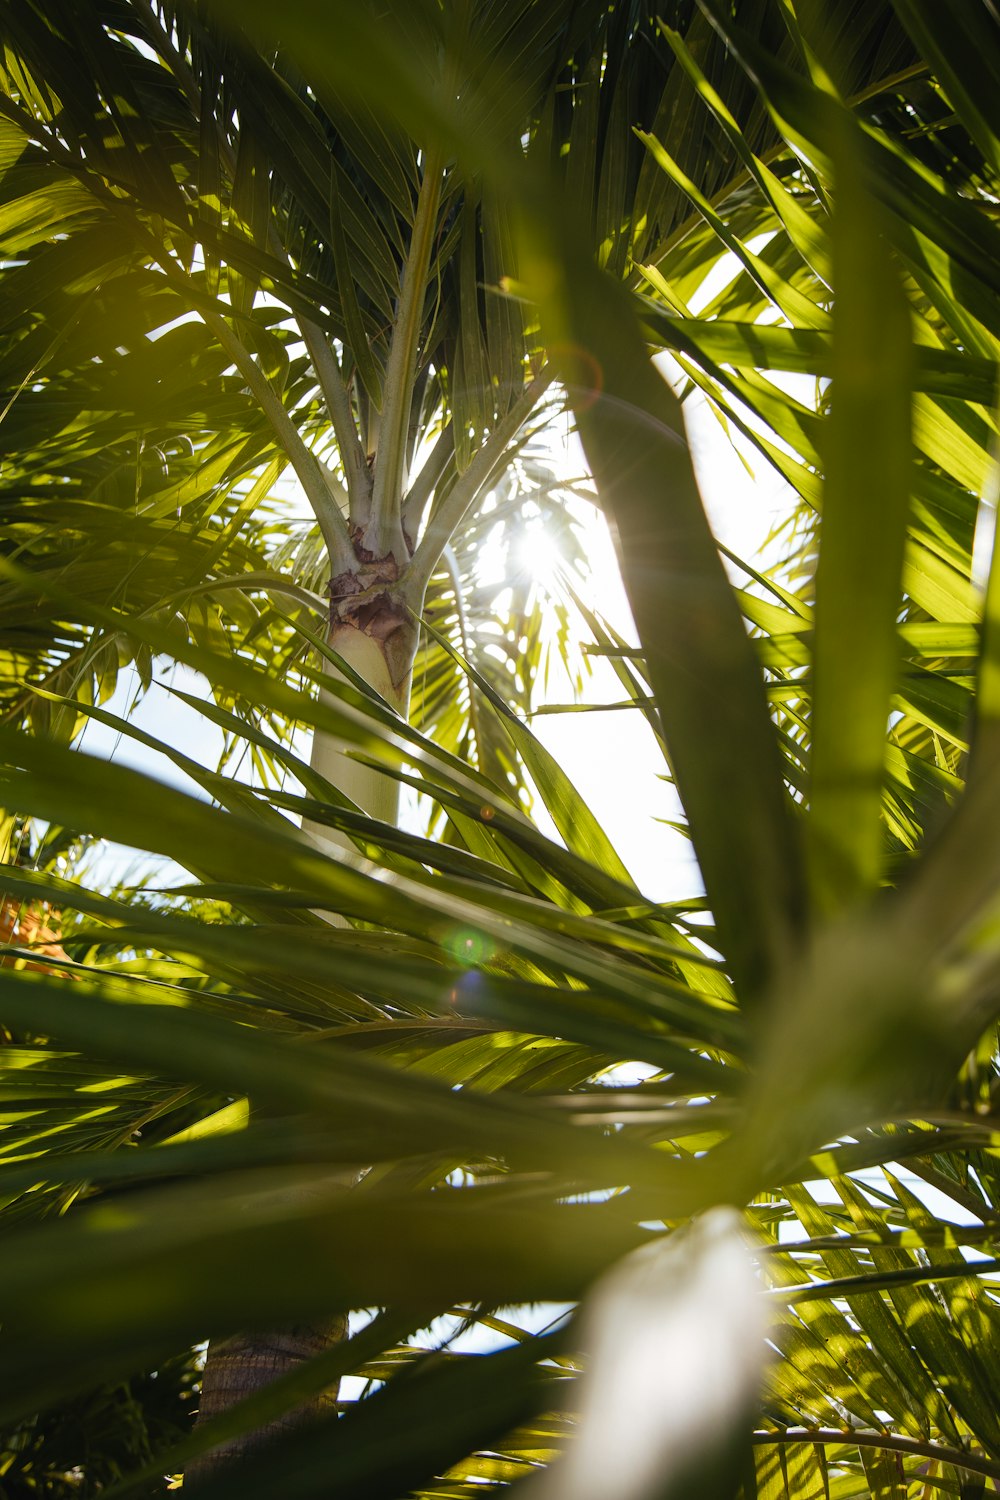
column 467, row 488
column 319, row 485
column 338, row 403
column 451, row 563
column 430, row 475
column 402, row 364
column 972, row 1463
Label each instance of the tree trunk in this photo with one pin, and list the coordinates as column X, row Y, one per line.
column 241, row 1366
column 390, row 676
column 379, row 641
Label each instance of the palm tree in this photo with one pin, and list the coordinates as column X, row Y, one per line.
column 858, row 1010
column 336, row 263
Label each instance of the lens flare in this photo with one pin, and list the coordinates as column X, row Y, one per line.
column 467, row 946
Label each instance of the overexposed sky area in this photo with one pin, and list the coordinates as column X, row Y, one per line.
column 612, row 756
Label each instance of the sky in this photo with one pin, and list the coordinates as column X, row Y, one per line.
column 612, row 757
